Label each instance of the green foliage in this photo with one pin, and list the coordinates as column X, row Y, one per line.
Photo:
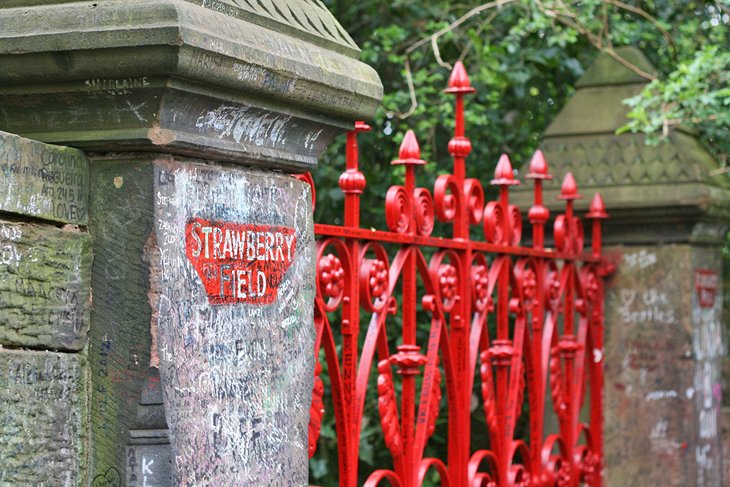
column 697, row 93
column 694, row 91
column 523, row 57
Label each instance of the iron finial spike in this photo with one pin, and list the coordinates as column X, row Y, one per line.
column 504, row 168
column 361, row 126
column 459, row 80
column 569, row 189
column 409, row 148
column 538, row 166
column 410, row 152
column 597, row 212
column 597, row 208
column 503, row 174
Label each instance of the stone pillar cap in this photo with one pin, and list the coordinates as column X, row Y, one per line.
column 268, row 82
column 667, row 192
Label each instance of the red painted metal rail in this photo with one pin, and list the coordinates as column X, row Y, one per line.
column 521, row 325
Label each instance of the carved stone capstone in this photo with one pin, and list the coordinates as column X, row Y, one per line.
column 265, row 83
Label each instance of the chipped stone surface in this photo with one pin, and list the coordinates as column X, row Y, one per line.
column 237, row 374
column 45, row 277
column 42, row 419
column 42, row 180
column 663, row 350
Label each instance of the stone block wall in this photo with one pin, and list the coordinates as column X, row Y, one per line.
column 45, row 275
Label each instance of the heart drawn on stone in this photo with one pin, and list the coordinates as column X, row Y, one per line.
column 111, row 478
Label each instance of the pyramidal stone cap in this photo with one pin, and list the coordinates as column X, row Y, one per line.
column 267, row 83
column 670, row 192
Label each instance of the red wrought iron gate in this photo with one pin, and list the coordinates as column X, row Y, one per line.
column 546, row 348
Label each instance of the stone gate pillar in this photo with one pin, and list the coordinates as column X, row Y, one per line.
column 664, row 342
column 192, row 113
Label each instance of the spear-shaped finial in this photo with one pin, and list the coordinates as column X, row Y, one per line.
column 597, row 212
column 459, row 80
column 597, row 208
column 569, row 189
column 503, row 174
column 538, row 213
column 410, row 152
column 538, row 167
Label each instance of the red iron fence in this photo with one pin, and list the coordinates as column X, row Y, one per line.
column 524, row 322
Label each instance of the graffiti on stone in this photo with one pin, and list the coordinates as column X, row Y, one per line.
column 42, row 418
column 148, row 466
column 110, row 478
column 42, row 180
column 706, row 281
column 707, row 348
column 233, row 285
column 44, row 286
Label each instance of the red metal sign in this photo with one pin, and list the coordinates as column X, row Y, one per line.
column 518, row 323
column 706, row 281
column 239, row 263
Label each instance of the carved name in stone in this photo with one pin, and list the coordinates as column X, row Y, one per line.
column 42, row 418
column 42, row 180
column 45, row 280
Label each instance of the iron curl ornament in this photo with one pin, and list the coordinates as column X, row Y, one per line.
column 444, row 322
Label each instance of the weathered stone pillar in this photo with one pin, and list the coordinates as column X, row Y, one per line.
column 201, row 339
column 664, row 344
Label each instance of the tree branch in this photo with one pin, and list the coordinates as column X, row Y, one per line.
column 481, row 28
column 437, row 54
column 559, row 12
column 631, row 66
column 411, row 91
column 471, row 13
column 433, row 39
column 596, row 42
column 643, row 13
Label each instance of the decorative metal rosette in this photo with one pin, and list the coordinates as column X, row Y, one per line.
column 444, row 275
column 332, row 269
column 331, row 277
column 374, row 278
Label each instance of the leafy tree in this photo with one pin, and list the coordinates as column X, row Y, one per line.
column 523, row 57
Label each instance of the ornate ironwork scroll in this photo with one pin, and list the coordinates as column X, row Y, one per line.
column 520, row 324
